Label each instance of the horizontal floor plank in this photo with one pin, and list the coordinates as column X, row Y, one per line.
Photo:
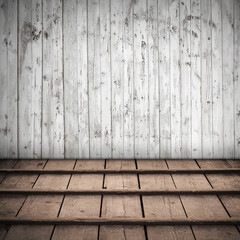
column 119, row 191
column 121, row 171
column 119, row 221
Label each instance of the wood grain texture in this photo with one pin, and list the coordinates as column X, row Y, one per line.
column 18, row 182
column 164, row 79
column 81, row 206
column 217, row 78
column 153, row 204
column 43, row 206
column 141, row 83
column 175, row 66
column 121, row 206
column 30, row 78
column 196, row 79
column 185, row 76
column 206, row 68
column 236, row 78
column 8, row 79
column 52, row 95
column 228, row 94
column 119, row 79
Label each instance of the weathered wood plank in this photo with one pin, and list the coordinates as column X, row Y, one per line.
column 181, row 164
column 206, row 73
column 152, row 47
column 36, row 232
column 163, row 182
column 83, row 90
column 221, row 180
column 117, row 77
column 105, row 76
column 208, row 164
column 30, row 79
column 141, row 85
column 52, row 115
column 175, row 80
column 216, row 232
column 42, row 206
column 8, row 79
column 185, row 76
column 217, row 95
column 20, row 181
column 234, row 163
column 203, row 206
column 81, row 206
column 128, row 78
column 121, row 206
column 94, row 82
column 196, row 79
column 236, row 62
column 164, row 78
column 228, row 93
column 71, row 79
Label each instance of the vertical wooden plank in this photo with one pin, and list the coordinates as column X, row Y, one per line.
column 175, row 81
column 152, row 48
column 121, row 206
column 164, row 78
column 25, row 80
column 117, row 77
column 75, row 76
column 30, row 78
column 185, row 74
column 53, row 120
column 8, row 79
column 83, row 91
column 105, row 55
column 237, row 77
column 227, row 58
column 94, row 82
column 216, row 24
column 71, row 71
column 141, row 84
column 206, row 63
column 128, row 71
column 196, row 79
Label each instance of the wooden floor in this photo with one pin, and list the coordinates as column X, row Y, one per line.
column 119, row 199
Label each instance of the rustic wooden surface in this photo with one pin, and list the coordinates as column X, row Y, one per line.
column 121, row 208
column 119, row 79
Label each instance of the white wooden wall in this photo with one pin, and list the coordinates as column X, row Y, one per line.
column 120, row 79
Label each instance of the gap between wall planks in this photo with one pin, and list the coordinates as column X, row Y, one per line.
column 162, row 181
column 119, row 79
